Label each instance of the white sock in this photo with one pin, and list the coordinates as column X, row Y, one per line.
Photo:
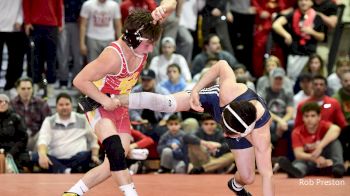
column 79, row 188
column 236, row 186
column 128, row 189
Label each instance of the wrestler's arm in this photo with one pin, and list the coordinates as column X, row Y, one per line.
column 227, row 80
column 165, row 8
column 156, row 102
column 94, row 71
column 261, row 141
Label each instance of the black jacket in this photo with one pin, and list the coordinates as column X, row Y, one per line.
column 13, row 135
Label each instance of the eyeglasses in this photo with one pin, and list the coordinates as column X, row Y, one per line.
column 3, row 102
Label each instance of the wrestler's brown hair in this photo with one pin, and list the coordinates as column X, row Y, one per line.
column 245, row 109
column 142, row 18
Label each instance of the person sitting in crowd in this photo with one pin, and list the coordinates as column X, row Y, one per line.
column 207, row 150
column 171, row 147
column 243, row 76
column 263, row 82
column 211, row 47
column 152, row 122
column 175, row 82
column 33, row 109
column 315, row 146
column 341, row 66
column 13, row 134
column 159, row 64
column 66, row 142
column 280, row 103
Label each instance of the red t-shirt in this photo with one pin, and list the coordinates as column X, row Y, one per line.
column 129, row 5
column 331, row 111
column 43, row 12
column 302, row 138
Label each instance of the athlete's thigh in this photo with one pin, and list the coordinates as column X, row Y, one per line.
column 105, row 128
column 245, row 161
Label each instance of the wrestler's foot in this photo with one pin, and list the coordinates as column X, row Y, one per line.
column 70, row 194
column 242, row 192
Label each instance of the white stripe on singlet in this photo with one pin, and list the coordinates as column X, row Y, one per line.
column 211, row 90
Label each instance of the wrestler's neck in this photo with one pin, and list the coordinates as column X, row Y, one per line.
column 129, row 52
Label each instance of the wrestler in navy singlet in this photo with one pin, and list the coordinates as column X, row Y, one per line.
column 209, row 98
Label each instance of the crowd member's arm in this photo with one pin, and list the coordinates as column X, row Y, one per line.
column 93, row 143
column 262, row 145
column 283, row 122
column 331, row 135
column 319, row 36
column 96, row 70
column 141, row 140
column 195, row 140
column 226, row 76
column 118, row 27
column 28, row 27
column 84, row 14
column 278, row 28
column 162, row 143
column 43, row 140
column 329, row 21
column 179, row 8
column 300, row 154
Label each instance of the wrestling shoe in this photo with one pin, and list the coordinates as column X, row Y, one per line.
column 70, row 194
column 242, row 192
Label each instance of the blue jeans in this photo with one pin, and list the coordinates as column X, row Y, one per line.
column 78, row 163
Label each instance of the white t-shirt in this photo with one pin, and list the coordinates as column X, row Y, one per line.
column 11, row 12
column 100, row 18
column 334, row 82
column 159, row 65
column 189, row 13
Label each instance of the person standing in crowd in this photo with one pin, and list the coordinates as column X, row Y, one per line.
column 43, row 20
column 100, row 24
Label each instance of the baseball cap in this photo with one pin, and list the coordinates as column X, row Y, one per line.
column 148, row 74
column 168, row 40
column 4, row 97
column 277, row 72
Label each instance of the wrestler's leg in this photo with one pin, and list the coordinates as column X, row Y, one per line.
column 245, row 163
column 117, row 147
column 103, row 171
column 156, row 102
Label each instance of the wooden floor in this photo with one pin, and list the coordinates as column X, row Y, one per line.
column 170, row 185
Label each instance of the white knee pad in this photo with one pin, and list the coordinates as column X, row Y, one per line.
column 152, row 101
